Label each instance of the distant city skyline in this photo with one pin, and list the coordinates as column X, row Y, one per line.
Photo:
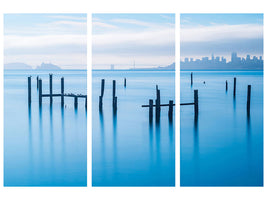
column 220, row 62
column 221, row 34
column 32, row 39
column 127, row 40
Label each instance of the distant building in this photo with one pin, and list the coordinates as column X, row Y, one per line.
column 256, row 63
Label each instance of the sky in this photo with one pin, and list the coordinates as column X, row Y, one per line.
column 221, row 34
column 59, row 39
column 128, row 40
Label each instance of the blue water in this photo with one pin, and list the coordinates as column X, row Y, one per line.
column 126, row 150
column 224, row 146
column 47, row 146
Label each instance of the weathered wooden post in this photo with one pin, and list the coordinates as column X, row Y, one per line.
column 40, row 92
column 170, row 110
column 51, row 88
column 102, row 87
column 157, row 111
column 248, row 99
column 124, row 82
column 29, row 90
column 191, row 78
column 37, row 82
column 196, row 101
column 158, row 96
column 115, row 104
column 234, row 86
column 62, row 91
column 114, row 98
column 226, row 85
column 150, row 110
column 100, row 103
column 75, row 102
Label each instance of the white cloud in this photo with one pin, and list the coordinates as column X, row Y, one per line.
column 221, row 32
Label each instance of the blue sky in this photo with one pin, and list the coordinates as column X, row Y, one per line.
column 221, row 34
column 36, row 38
column 122, row 39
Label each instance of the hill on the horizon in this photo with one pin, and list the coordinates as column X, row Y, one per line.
column 48, row 66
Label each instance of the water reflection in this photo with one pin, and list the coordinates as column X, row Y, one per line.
column 30, row 136
column 63, row 134
column 196, row 148
column 114, row 118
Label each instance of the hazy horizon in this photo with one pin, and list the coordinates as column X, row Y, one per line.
column 133, row 40
column 221, row 34
column 59, row 39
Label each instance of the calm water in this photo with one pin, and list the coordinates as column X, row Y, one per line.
column 223, row 147
column 126, row 150
column 44, row 147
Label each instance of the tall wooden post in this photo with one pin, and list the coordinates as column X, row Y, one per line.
column 248, row 99
column 170, row 110
column 234, row 86
column 191, row 78
column 62, row 91
column 37, row 82
column 158, row 96
column 226, row 85
column 40, row 92
column 102, row 87
column 196, row 101
column 150, row 110
column 75, row 102
column 100, row 103
column 29, row 90
column 114, row 102
column 124, row 82
column 51, row 88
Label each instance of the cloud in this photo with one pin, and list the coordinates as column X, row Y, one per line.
column 221, row 32
column 97, row 24
column 68, row 17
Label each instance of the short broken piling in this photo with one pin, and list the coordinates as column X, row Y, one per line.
column 226, row 86
column 170, row 113
column 62, row 92
column 191, row 78
column 196, row 101
column 51, row 88
column 234, row 86
column 37, row 82
column 248, row 99
column 75, row 102
column 29, row 90
column 40, row 92
column 114, row 98
column 124, row 82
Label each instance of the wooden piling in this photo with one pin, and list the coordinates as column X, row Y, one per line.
column 75, row 102
column 158, row 96
column 100, row 103
column 115, row 104
column 226, row 85
column 191, row 78
column 102, row 87
column 170, row 110
column 86, row 102
column 157, row 110
column 248, row 98
column 196, row 101
column 114, row 89
column 37, row 82
column 29, row 90
column 150, row 110
column 40, row 92
column 234, row 86
column 62, row 91
column 124, row 82
column 51, row 88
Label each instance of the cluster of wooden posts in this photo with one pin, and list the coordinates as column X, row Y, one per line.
column 195, row 103
column 158, row 107
column 51, row 94
column 114, row 97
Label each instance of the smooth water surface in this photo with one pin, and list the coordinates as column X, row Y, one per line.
column 224, row 146
column 127, row 151
column 44, row 146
